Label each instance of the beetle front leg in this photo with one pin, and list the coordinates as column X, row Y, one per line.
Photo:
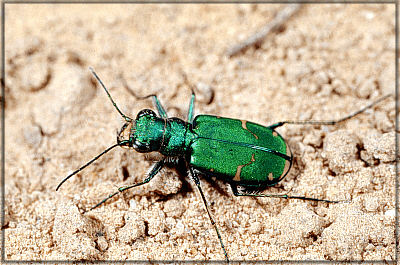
column 156, row 168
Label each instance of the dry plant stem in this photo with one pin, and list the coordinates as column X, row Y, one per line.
column 258, row 37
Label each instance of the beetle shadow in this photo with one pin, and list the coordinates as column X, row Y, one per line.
column 180, row 167
column 216, row 184
column 183, row 173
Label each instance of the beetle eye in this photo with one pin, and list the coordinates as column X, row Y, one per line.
column 141, row 147
column 146, row 112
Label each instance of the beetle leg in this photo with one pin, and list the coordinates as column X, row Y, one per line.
column 282, row 196
column 156, row 168
column 191, row 108
column 191, row 104
column 197, row 182
column 156, row 102
column 160, row 108
column 330, row 122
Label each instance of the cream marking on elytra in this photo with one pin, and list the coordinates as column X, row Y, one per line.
column 239, row 168
column 244, row 126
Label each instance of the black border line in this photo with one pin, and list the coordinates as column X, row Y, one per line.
column 395, row 261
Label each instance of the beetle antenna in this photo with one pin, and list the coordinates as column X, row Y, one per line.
column 109, row 96
column 87, row 164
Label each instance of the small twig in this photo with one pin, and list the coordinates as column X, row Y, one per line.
column 274, row 25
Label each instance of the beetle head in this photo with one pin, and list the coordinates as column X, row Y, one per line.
column 144, row 134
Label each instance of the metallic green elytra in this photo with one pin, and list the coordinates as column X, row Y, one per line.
column 237, row 151
column 242, row 153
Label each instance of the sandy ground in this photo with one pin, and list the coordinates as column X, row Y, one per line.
column 325, row 62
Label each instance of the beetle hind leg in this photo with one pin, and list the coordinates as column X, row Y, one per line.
column 330, row 122
column 282, row 196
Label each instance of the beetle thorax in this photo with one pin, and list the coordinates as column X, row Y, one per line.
column 176, row 137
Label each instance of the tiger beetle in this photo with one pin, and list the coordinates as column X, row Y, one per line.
column 241, row 153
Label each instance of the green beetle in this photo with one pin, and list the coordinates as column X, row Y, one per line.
column 242, row 153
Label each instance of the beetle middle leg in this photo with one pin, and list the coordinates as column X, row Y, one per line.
column 197, row 182
column 160, row 108
column 191, row 108
column 156, row 168
column 282, row 196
